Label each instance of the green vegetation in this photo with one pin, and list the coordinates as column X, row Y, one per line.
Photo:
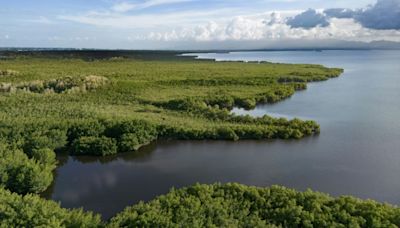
column 27, row 155
column 33, row 211
column 218, row 205
column 106, row 104
column 235, row 205
column 4, row 73
column 62, row 85
column 49, row 104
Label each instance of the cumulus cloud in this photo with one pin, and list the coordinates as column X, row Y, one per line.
column 276, row 18
column 308, row 19
column 261, row 28
column 385, row 14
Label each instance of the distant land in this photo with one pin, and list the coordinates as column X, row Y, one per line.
column 289, row 45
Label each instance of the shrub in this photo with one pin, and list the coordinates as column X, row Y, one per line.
column 130, row 135
column 246, row 103
column 29, row 177
column 141, row 128
column 93, row 82
column 128, row 142
column 227, row 102
column 51, row 139
column 86, row 128
column 91, row 145
column 227, row 133
column 20, row 174
column 33, row 211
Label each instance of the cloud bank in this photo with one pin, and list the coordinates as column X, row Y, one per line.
column 195, row 23
column 380, row 21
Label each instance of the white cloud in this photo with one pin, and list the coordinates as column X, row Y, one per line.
column 127, row 6
column 149, row 20
column 226, row 24
column 269, row 28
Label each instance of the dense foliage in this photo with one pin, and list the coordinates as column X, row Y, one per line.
column 27, row 157
column 235, row 205
column 32, row 211
column 21, row 174
column 217, row 205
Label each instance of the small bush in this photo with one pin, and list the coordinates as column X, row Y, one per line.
column 131, row 135
column 128, row 142
column 20, row 174
column 227, row 134
column 247, row 103
column 93, row 82
column 87, row 128
column 90, row 145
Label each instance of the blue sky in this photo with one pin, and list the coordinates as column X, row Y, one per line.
column 195, row 24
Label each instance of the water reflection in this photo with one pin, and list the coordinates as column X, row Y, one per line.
column 142, row 155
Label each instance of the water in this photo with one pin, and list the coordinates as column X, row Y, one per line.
column 357, row 152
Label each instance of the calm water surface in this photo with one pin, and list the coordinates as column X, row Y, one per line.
column 357, row 152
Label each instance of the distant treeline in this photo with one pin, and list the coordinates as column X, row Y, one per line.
column 91, row 55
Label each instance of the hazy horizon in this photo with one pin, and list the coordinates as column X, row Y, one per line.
column 199, row 25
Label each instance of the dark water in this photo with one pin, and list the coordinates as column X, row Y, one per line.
column 357, row 152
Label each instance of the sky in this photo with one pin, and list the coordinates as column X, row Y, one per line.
column 196, row 24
